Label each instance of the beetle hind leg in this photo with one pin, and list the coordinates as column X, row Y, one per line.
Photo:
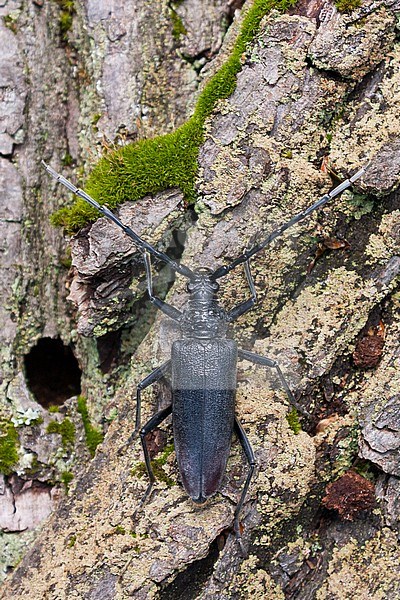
column 154, row 422
column 268, row 362
column 248, row 450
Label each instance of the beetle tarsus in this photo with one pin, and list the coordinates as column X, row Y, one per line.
column 239, row 540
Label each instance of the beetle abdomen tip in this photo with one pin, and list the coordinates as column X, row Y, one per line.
column 200, row 499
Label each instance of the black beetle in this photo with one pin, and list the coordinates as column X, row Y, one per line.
column 203, row 364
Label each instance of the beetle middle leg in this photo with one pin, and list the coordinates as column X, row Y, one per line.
column 247, row 305
column 153, row 377
column 248, row 450
column 268, row 362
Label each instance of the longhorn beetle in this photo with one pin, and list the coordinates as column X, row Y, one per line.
column 203, row 364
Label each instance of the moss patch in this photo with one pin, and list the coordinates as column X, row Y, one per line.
column 93, row 435
column 9, row 444
column 293, row 419
column 66, row 16
column 347, row 5
column 66, row 429
column 178, row 28
column 10, row 21
column 66, row 478
column 167, row 161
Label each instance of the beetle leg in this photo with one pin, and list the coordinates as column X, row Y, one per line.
column 245, row 306
column 268, row 362
column 167, row 309
column 248, row 450
column 153, row 377
column 150, row 426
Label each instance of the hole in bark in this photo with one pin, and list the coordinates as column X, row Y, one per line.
column 108, row 347
column 189, row 583
column 52, row 372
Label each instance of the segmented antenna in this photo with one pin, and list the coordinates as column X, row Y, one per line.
column 139, row 242
column 224, row 270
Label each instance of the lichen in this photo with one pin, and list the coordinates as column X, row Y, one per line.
column 253, row 581
column 355, row 571
column 9, row 444
column 168, row 161
column 347, row 452
column 385, row 243
column 13, row 546
column 93, row 435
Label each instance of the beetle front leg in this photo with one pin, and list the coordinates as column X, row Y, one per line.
column 248, row 450
column 167, row 309
column 268, row 362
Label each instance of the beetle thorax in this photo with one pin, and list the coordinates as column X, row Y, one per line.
column 202, row 316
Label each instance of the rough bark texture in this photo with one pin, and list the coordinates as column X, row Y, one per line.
column 315, row 83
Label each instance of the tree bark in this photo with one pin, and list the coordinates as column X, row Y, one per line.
column 317, row 87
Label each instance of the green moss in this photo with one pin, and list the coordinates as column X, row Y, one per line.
column 93, row 435
column 66, row 16
column 65, row 23
column 178, row 27
column 67, row 159
column 66, row 429
column 95, row 119
column 10, row 21
column 71, row 541
column 53, row 408
column 347, row 5
column 364, row 468
column 66, row 478
column 167, row 161
column 9, row 444
column 293, row 419
column 157, row 465
column 119, row 530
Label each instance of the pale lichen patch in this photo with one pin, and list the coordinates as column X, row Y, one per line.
column 255, row 582
column 355, row 571
column 371, row 128
column 386, row 243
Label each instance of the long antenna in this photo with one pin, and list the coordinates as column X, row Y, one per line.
column 224, row 270
column 140, row 243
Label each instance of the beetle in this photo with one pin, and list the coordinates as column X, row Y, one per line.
column 203, row 364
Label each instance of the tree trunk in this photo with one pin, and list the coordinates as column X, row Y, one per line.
column 316, row 98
